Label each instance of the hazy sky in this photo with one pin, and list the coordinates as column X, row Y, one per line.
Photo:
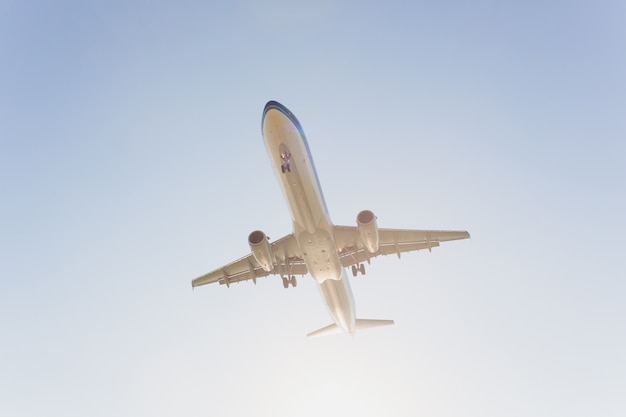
column 131, row 161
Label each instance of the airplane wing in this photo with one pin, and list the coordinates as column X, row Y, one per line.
column 390, row 241
column 287, row 261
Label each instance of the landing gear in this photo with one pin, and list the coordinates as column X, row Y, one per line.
column 285, row 157
column 290, row 281
column 357, row 269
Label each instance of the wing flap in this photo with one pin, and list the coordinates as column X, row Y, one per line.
column 240, row 270
column 405, row 247
column 286, row 262
column 387, row 236
column 391, row 241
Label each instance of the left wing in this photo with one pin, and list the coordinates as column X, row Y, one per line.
column 287, row 262
column 390, row 241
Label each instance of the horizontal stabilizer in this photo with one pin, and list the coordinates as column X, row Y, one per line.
column 330, row 329
column 367, row 323
column 360, row 324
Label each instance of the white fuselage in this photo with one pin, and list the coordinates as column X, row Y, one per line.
column 289, row 152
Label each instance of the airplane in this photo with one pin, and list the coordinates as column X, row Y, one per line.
column 317, row 246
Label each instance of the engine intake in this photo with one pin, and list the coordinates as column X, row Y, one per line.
column 366, row 224
column 261, row 249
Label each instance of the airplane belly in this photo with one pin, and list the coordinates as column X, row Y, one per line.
column 286, row 145
column 288, row 149
column 320, row 254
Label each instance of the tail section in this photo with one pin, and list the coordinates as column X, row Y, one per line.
column 360, row 324
column 368, row 323
column 324, row 331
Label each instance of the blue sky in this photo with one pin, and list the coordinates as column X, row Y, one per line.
column 131, row 161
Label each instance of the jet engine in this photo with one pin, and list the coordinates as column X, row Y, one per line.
column 261, row 249
column 366, row 222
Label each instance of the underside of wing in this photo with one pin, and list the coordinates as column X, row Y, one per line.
column 390, row 241
column 286, row 262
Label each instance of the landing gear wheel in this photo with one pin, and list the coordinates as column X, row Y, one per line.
column 293, row 281
column 282, row 168
column 288, row 168
column 362, row 269
column 354, row 270
column 285, row 283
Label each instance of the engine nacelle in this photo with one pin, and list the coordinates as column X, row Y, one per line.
column 366, row 222
column 261, row 249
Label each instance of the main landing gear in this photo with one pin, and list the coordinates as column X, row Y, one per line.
column 290, row 281
column 357, row 269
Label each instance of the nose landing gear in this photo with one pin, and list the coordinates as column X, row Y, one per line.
column 285, row 157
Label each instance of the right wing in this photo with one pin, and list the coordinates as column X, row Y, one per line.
column 287, row 261
column 390, row 241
